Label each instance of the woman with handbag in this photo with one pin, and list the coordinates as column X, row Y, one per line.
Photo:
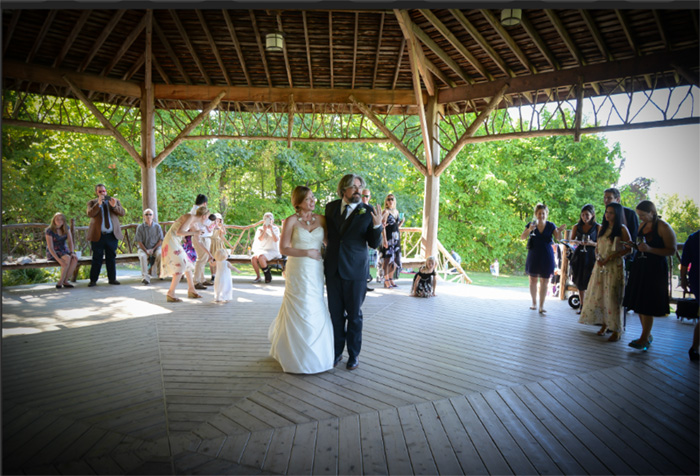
column 539, row 265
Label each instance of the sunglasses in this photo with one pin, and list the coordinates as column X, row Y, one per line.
column 147, row 214
column 366, row 196
column 390, row 199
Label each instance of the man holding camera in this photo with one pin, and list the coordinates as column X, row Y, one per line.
column 266, row 247
column 104, row 233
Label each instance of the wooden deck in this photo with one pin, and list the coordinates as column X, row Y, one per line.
column 114, row 380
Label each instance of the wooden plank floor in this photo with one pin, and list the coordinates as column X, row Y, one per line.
column 114, row 380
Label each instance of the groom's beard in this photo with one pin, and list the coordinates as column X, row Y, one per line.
column 356, row 198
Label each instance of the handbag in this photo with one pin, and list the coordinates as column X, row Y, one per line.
column 686, row 308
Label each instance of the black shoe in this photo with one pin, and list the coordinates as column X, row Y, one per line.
column 337, row 360
column 693, row 354
column 369, row 290
column 268, row 275
column 145, row 281
column 114, row 282
column 200, row 286
column 353, row 363
column 92, row 283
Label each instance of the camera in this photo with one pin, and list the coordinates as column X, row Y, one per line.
column 268, row 221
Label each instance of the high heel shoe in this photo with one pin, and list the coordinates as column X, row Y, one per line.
column 193, row 295
column 169, row 298
column 68, row 285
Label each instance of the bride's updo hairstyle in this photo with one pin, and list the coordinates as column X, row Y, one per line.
column 299, row 195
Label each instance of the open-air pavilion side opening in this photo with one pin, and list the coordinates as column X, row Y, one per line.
column 157, row 392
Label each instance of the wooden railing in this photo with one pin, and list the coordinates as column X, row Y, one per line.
column 28, row 239
column 413, row 252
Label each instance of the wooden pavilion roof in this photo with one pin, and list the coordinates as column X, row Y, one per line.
column 464, row 55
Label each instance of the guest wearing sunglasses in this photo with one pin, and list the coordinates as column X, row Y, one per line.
column 148, row 238
column 391, row 240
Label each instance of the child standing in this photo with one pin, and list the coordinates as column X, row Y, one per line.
column 223, row 287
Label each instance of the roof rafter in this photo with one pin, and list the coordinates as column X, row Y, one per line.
column 308, row 48
column 537, row 40
column 101, row 39
column 481, row 41
column 379, row 49
column 496, row 24
column 595, row 32
column 261, row 48
column 185, row 37
column 236, row 45
column 415, row 51
column 398, row 63
column 11, row 29
column 285, row 53
column 212, row 45
column 171, row 52
column 125, row 46
column 77, row 28
column 435, row 48
column 41, row 35
column 568, row 41
column 444, row 31
column 626, row 29
column 330, row 44
column 354, row 50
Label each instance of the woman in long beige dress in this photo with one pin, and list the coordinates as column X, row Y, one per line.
column 174, row 260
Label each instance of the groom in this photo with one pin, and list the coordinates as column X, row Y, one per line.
column 352, row 226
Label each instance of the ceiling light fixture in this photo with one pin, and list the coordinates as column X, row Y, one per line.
column 511, row 16
column 274, row 42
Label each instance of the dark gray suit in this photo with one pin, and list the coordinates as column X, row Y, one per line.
column 346, row 271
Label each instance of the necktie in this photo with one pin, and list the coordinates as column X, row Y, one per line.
column 105, row 216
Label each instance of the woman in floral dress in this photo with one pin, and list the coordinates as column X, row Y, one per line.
column 603, row 304
column 175, row 261
column 391, row 241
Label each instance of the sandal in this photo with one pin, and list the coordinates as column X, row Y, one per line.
column 193, row 295
column 172, row 299
column 614, row 337
column 68, row 285
column 602, row 331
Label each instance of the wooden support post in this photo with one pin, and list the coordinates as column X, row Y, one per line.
column 431, row 201
column 149, row 196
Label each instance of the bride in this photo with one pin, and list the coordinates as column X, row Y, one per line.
column 302, row 334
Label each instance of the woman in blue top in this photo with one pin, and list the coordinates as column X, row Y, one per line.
column 539, row 265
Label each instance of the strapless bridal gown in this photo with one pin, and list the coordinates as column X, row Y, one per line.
column 302, row 334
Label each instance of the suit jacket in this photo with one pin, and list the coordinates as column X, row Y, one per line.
column 631, row 221
column 346, row 252
column 95, row 228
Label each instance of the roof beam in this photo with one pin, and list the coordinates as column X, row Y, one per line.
column 261, row 48
column 101, row 39
column 452, row 64
column 160, row 70
column 11, row 29
column 125, row 46
column 41, row 35
column 481, row 41
column 285, row 53
column 77, row 28
column 595, row 32
column 415, row 75
column 237, row 45
column 496, row 24
column 330, row 43
column 398, row 63
column 171, row 52
column 212, row 45
column 354, row 50
column 659, row 25
column 649, row 64
column 190, row 47
column 626, row 29
column 414, row 50
column 379, row 48
column 568, row 41
column 537, row 40
column 104, row 121
column 308, row 48
column 444, row 31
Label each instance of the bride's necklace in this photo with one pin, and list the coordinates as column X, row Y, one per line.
column 308, row 222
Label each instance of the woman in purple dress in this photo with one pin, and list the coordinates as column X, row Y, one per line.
column 539, row 265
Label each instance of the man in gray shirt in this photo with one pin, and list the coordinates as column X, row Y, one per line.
column 149, row 237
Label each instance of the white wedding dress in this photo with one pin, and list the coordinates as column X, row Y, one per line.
column 302, row 334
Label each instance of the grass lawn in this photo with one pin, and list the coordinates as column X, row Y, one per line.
column 480, row 278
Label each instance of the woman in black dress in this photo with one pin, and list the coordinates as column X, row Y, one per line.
column 539, row 265
column 647, row 290
column 583, row 259
column 424, row 281
column 391, row 240
column 59, row 247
